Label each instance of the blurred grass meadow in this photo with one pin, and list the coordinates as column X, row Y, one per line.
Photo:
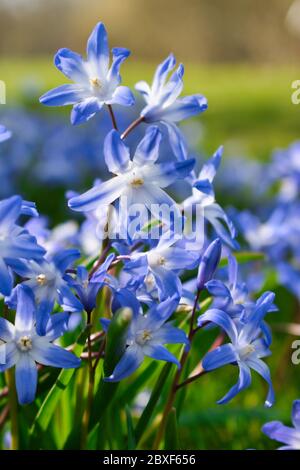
column 251, row 113
column 250, row 109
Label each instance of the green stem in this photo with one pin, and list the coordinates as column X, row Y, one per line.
column 13, row 409
column 90, row 396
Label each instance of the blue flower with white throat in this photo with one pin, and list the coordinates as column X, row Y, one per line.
column 140, row 180
column 249, row 344
column 164, row 105
column 95, row 83
column 147, row 335
column 24, row 347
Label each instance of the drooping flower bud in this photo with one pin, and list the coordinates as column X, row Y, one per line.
column 209, row 263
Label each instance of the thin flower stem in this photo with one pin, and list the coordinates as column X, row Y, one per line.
column 172, row 394
column 191, row 379
column 13, row 408
column 4, row 415
column 132, row 126
column 100, row 260
column 87, row 413
column 113, row 118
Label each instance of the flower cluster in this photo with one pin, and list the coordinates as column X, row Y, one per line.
column 131, row 278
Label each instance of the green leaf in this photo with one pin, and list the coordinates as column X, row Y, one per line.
column 171, row 432
column 244, row 257
column 130, row 431
column 151, row 405
column 49, row 405
column 115, row 347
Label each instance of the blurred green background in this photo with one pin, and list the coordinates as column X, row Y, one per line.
column 243, row 55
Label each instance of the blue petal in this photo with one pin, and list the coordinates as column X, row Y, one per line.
column 217, row 288
column 4, row 134
column 160, row 353
column 85, row 110
column 57, row 325
column 243, row 382
column 70, row 64
column 214, row 214
column 219, row 357
column 105, row 323
column 221, row 319
column 122, row 96
column 125, row 298
column 63, row 95
column 116, row 153
column 209, row 263
column 6, row 280
column 162, row 72
column 296, row 414
column 26, row 379
column 10, row 209
column 25, row 314
column 165, row 174
column 43, row 311
column 177, row 141
column 100, row 274
column 262, row 369
column 119, row 55
column 168, row 283
column 12, row 355
column 169, row 334
column 49, row 354
column 67, row 299
column 148, row 148
column 143, row 88
column 277, row 431
column 210, row 168
column 7, row 330
column 182, row 109
column 158, row 314
column 64, row 258
column 98, row 50
column 130, row 361
column 103, row 194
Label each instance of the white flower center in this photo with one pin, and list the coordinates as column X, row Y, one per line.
column 95, row 82
column 143, row 337
column 41, row 279
column 24, row 343
column 136, row 182
column 156, row 259
column 245, row 351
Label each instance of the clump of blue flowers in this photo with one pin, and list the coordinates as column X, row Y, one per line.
column 124, row 295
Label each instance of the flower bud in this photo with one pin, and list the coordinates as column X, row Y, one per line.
column 209, row 263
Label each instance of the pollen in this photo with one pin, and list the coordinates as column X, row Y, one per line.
column 41, row 279
column 144, row 337
column 95, row 82
column 137, row 182
column 25, row 343
column 246, row 350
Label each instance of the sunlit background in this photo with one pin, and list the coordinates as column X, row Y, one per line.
column 243, row 55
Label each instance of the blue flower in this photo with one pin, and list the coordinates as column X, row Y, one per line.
column 165, row 261
column 285, row 434
column 24, row 348
column 95, row 84
column 147, row 336
column 163, row 104
column 4, row 133
column 248, row 346
column 49, row 283
column 15, row 242
column 87, row 289
column 203, row 198
column 138, row 181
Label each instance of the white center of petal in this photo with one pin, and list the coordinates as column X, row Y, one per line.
column 41, row 279
column 95, row 82
column 245, row 351
column 137, row 182
column 143, row 337
column 156, row 259
column 24, row 343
